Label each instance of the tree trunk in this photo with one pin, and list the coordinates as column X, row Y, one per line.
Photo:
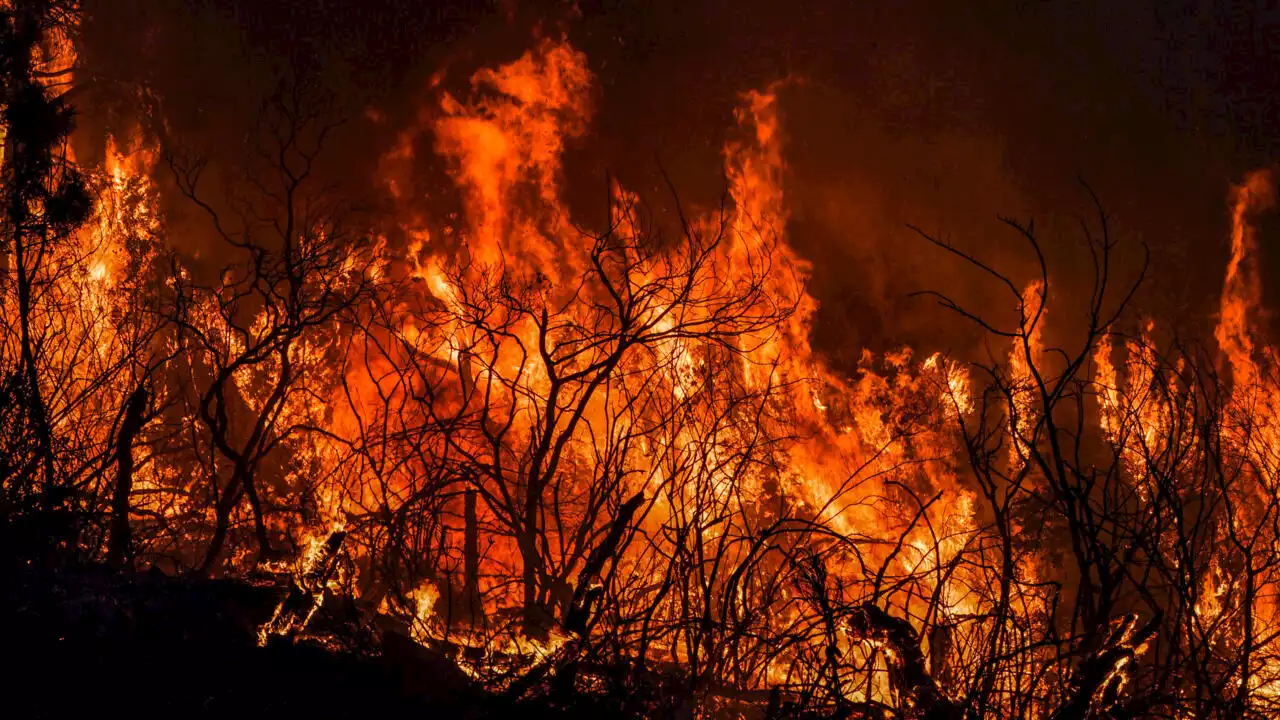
column 471, row 559
column 222, row 518
column 119, row 548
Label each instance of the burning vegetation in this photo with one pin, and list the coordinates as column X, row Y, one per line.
column 603, row 467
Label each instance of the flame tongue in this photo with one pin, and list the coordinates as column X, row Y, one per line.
column 504, row 151
column 1242, row 291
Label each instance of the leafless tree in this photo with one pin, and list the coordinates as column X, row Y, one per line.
column 255, row 339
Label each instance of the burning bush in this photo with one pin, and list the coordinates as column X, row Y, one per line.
column 605, row 466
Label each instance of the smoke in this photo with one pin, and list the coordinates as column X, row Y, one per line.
column 921, row 113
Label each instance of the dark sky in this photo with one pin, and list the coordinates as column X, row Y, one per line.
column 917, row 112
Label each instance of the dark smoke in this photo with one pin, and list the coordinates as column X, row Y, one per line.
column 926, row 113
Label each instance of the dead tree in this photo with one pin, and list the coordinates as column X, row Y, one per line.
column 302, row 264
column 120, row 548
column 71, row 341
column 45, row 200
column 603, row 342
column 1038, row 403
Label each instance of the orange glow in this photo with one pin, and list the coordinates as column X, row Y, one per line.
column 517, row 433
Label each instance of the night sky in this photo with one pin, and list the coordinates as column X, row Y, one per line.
column 909, row 112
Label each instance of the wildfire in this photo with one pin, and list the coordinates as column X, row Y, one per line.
column 722, row 432
column 520, row 435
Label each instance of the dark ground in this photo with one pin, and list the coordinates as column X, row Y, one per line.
column 85, row 641
column 90, row 643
